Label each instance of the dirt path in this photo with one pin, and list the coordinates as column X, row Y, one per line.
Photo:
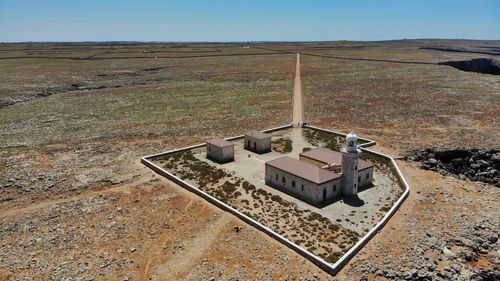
column 194, row 249
column 51, row 202
column 297, row 97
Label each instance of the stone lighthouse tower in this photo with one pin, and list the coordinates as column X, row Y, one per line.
column 350, row 165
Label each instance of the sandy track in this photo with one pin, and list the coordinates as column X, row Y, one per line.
column 297, row 96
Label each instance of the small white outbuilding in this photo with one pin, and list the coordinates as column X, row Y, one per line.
column 220, row 150
column 257, row 142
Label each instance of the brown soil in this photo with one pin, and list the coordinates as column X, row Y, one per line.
column 458, row 204
column 143, row 229
column 76, row 203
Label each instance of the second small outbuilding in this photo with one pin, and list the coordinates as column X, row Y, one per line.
column 258, row 142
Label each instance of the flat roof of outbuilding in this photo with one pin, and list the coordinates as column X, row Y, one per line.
column 219, row 142
column 257, row 134
column 303, row 170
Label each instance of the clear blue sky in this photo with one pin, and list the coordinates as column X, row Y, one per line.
column 246, row 20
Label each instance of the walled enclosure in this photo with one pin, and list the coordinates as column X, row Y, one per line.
column 331, row 269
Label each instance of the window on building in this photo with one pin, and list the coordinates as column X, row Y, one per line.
column 324, row 194
column 356, row 167
column 367, row 176
column 283, row 179
column 334, row 187
column 293, row 183
column 302, row 187
column 359, row 178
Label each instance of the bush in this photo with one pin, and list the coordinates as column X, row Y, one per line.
column 276, row 198
column 333, row 258
column 245, row 184
column 229, row 187
column 262, row 192
column 288, row 146
column 315, row 216
column 282, row 145
column 334, row 227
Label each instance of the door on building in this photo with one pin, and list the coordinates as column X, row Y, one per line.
column 254, row 146
column 324, row 194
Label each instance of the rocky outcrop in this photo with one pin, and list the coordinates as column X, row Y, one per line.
column 457, row 258
column 474, row 164
column 486, row 50
column 481, row 65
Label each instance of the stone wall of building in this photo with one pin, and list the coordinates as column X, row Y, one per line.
column 220, row 154
column 303, row 189
column 258, row 145
column 365, row 177
column 228, row 154
column 264, row 145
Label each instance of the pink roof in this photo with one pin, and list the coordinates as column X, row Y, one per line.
column 219, row 142
column 328, row 156
column 303, row 170
column 258, row 134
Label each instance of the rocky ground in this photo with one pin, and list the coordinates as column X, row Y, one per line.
column 446, row 230
column 424, row 106
column 473, row 164
column 480, row 65
column 76, row 204
column 138, row 227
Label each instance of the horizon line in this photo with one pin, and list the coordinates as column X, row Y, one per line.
column 240, row 42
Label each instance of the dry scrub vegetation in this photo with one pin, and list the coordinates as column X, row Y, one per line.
column 308, row 229
column 85, row 138
column 73, row 130
column 74, row 120
column 403, row 106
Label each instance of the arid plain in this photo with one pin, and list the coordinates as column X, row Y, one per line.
column 77, row 204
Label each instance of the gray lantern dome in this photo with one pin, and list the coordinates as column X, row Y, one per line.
column 351, row 142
